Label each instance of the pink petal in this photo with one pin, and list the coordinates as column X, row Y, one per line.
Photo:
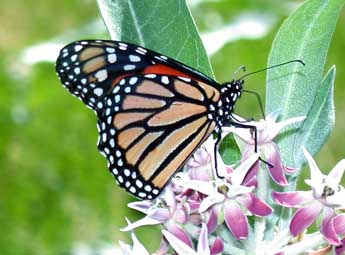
column 180, row 247
column 180, row 214
column 202, row 173
column 169, row 197
column 293, row 198
column 250, row 178
column 340, row 250
column 180, row 233
column 203, row 241
column 290, row 170
column 236, row 220
column 272, row 154
column 217, row 247
column 255, row 205
column 328, row 229
column 242, row 170
column 212, row 222
column 161, row 214
column 304, row 217
column 197, row 158
column 339, row 223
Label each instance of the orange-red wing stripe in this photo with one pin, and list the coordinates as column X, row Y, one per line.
column 164, row 69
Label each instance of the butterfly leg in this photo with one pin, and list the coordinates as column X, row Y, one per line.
column 219, row 138
column 240, row 125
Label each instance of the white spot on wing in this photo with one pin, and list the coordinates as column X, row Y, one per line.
column 78, row 48
column 133, row 80
column 112, row 58
column 129, row 67
column 101, row 75
column 134, row 58
column 165, row 80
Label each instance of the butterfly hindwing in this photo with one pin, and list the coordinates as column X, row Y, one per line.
column 150, row 125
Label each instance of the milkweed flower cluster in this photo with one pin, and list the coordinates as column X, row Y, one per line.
column 203, row 214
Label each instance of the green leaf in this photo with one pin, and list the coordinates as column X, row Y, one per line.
column 320, row 120
column 164, row 26
column 229, row 150
column 305, row 35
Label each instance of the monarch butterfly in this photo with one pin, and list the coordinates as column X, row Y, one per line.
column 153, row 111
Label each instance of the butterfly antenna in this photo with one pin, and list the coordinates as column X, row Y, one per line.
column 241, row 68
column 259, row 100
column 270, row 67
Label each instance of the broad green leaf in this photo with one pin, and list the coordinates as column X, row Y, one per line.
column 305, row 35
column 320, row 120
column 164, row 26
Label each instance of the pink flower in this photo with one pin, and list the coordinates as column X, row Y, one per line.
column 267, row 130
column 230, row 196
column 168, row 212
column 200, row 166
column 203, row 247
column 324, row 198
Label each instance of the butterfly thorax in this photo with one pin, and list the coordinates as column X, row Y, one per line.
column 230, row 92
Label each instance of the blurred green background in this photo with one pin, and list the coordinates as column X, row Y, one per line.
column 56, row 194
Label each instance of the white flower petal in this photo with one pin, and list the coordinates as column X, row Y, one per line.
column 337, row 172
column 274, row 128
column 337, row 200
column 316, row 175
column 203, row 248
column 211, row 200
column 206, row 188
column 138, row 248
column 144, row 221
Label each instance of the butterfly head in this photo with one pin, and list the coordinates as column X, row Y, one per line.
column 231, row 91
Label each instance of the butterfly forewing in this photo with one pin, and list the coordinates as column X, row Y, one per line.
column 149, row 127
column 88, row 68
